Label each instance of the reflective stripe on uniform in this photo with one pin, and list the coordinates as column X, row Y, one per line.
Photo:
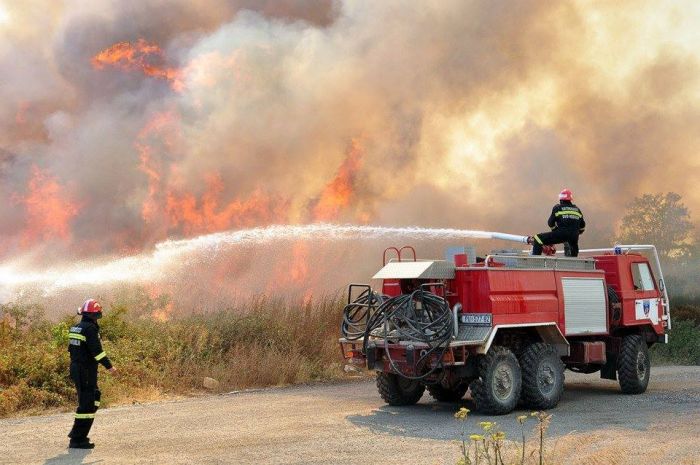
column 568, row 212
column 79, row 337
column 97, row 403
column 100, row 356
column 84, row 416
column 539, row 241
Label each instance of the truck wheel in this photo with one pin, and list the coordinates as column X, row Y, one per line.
column 443, row 394
column 396, row 390
column 543, row 376
column 498, row 389
column 633, row 365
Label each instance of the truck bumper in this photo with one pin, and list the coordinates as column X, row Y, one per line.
column 405, row 358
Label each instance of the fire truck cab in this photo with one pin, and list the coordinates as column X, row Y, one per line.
column 516, row 322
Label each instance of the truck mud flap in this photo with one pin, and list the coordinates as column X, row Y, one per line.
column 609, row 370
column 371, row 356
column 410, row 355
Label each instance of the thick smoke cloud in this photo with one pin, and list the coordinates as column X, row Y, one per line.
column 439, row 113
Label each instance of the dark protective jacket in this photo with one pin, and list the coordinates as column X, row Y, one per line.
column 567, row 223
column 85, row 346
column 567, row 216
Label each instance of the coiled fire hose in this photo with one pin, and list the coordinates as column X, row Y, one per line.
column 421, row 317
column 357, row 313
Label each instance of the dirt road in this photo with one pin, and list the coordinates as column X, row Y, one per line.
column 348, row 423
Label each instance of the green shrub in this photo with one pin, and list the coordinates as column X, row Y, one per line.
column 686, row 312
column 683, row 345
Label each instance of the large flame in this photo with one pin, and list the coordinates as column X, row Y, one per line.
column 171, row 208
column 49, row 209
column 139, row 56
column 159, row 135
column 338, row 193
column 196, row 216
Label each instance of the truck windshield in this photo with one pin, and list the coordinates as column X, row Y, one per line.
column 641, row 275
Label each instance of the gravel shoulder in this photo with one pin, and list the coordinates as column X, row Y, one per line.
column 348, row 423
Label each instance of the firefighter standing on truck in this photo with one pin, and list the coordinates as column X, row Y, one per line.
column 566, row 222
column 86, row 352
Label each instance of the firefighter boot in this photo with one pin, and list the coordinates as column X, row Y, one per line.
column 81, row 444
column 81, row 429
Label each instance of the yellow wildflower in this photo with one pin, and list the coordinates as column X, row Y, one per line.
column 486, row 425
column 476, row 437
column 522, row 418
column 461, row 413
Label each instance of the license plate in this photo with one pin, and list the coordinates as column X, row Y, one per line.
column 476, row 319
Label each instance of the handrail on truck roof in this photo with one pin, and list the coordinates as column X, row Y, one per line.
column 540, row 262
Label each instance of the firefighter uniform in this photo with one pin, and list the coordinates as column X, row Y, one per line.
column 86, row 352
column 567, row 223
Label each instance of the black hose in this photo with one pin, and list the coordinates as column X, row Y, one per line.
column 357, row 313
column 421, row 317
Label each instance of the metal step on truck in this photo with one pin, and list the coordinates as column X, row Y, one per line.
column 507, row 326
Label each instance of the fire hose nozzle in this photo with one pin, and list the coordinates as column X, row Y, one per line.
column 511, row 237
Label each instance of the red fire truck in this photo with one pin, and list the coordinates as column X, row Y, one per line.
column 507, row 326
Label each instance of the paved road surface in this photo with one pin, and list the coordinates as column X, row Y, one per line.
column 348, row 423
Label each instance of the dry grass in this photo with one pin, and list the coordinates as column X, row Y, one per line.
column 265, row 342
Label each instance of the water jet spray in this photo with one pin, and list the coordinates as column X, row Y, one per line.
column 171, row 254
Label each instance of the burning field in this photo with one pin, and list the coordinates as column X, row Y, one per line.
column 141, row 142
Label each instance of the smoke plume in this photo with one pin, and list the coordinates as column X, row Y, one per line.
column 127, row 123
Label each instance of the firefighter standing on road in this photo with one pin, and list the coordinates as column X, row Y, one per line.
column 566, row 222
column 86, row 352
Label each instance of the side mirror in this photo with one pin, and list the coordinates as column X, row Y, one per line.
column 662, row 285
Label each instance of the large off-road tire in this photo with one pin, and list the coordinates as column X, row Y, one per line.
column 396, row 390
column 543, row 376
column 633, row 365
column 497, row 391
column 443, row 394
